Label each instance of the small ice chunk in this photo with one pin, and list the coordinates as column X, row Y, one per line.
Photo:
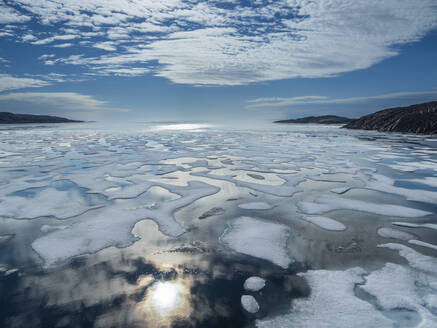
column 254, row 283
column 394, row 233
column 325, row 223
column 416, row 225
column 255, row 206
column 260, row 239
column 422, row 243
column 249, row 303
column 327, row 203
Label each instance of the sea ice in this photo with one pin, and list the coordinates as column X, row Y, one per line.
column 111, row 225
column 254, row 283
column 325, row 223
column 258, row 238
column 327, row 203
column 249, row 303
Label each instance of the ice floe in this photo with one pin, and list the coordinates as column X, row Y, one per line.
column 257, row 238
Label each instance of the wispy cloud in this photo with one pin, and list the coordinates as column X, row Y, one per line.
column 227, row 43
column 265, row 103
column 47, row 102
column 9, row 82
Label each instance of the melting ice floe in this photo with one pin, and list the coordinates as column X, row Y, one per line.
column 327, row 203
column 259, row 238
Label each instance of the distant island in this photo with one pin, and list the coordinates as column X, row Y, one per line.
column 325, row 119
column 11, row 118
column 421, row 119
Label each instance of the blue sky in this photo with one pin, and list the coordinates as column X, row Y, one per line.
column 215, row 60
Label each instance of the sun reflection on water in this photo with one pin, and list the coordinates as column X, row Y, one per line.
column 166, row 301
column 166, row 296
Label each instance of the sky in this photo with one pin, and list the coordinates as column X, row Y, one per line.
column 185, row 60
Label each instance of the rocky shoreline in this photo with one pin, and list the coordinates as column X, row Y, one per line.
column 420, row 119
column 11, row 118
